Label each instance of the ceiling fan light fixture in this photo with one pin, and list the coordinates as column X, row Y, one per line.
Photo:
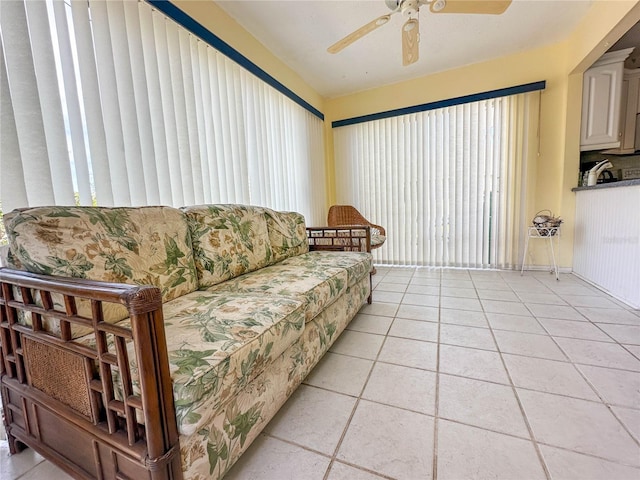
column 410, row 25
column 438, row 5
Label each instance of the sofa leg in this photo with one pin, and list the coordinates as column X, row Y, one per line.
column 370, row 298
column 373, row 270
column 15, row 445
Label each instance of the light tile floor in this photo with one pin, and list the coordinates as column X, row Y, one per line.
column 455, row 374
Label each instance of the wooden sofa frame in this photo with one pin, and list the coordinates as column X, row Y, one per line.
column 59, row 396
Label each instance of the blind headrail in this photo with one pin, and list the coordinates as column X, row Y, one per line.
column 475, row 97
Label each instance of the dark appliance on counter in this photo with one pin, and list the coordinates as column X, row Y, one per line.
column 607, row 177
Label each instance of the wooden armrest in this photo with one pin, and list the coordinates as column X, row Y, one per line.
column 340, row 238
column 135, row 419
column 137, row 299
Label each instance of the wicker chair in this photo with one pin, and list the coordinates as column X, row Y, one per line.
column 340, row 215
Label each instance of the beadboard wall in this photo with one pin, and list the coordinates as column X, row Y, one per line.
column 607, row 240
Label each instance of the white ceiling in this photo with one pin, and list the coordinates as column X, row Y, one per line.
column 299, row 32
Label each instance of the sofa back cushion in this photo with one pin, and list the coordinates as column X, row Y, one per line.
column 142, row 246
column 228, row 241
column 287, row 234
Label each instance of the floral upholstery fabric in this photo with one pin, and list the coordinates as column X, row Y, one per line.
column 217, row 344
column 317, row 286
column 143, row 246
column 287, row 234
column 228, row 241
column 357, row 264
column 225, row 433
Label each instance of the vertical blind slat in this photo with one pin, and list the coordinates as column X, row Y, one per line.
column 72, row 101
column 159, row 163
column 147, row 175
column 110, row 102
column 92, row 102
column 50, row 102
column 12, row 184
column 128, row 105
column 25, row 99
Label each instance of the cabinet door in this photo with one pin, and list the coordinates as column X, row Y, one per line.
column 628, row 114
column 602, row 87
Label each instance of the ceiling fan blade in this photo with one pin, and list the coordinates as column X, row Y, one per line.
column 410, row 38
column 491, row 7
column 358, row 34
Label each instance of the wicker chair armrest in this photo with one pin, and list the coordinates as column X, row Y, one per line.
column 379, row 227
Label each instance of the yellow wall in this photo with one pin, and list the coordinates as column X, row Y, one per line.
column 561, row 65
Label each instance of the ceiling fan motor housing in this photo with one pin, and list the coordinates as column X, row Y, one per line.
column 409, row 8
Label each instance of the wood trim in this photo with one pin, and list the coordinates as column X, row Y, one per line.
column 111, row 444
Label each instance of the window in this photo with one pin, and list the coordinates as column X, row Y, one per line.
column 446, row 183
column 111, row 102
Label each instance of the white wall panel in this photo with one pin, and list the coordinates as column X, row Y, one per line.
column 607, row 240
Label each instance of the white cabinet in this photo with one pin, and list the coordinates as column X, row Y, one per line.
column 629, row 108
column 601, row 95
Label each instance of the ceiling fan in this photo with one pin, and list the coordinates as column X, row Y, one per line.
column 410, row 29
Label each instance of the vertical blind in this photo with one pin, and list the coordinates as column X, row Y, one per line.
column 111, row 102
column 447, row 183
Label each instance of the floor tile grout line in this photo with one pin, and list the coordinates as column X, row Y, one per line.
column 24, row 474
column 635, row 355
column 635, row 438
column 597, row 325
column 536, row 447
column 590, row 455
column 436, row 411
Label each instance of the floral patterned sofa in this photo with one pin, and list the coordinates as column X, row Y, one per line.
column 156, row 342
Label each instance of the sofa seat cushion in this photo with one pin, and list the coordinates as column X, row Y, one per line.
column 228, row 241
column 357, row 264
column 317, row 286
column 217, row 343
column 142, row 246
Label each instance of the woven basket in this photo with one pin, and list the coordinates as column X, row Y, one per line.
column 546, row 223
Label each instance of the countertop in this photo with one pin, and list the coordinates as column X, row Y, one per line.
column 622, row 183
